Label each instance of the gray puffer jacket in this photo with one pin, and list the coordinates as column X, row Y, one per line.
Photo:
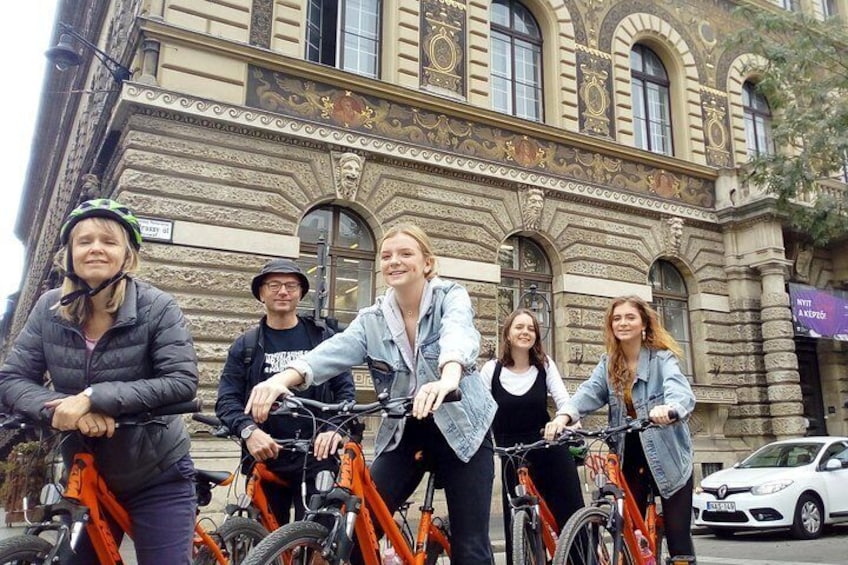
column 145, row 360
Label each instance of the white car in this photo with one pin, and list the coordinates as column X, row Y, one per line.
column 801, row 484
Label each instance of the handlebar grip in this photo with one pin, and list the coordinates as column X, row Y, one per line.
column 453, row 396
column 207, row 419
column 673, row 415
column 186, row 407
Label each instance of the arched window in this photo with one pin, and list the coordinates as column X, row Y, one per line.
column 516, row 61
column 350, row 261
column 523, row 263
column 651, row 101
column 757, row 121
column 671, row 301
column 345, row 34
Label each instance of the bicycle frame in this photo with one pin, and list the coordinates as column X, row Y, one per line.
column 354, row 478
column 548, row 522
column 260, row 475
column 628, row 510
column 87, row 489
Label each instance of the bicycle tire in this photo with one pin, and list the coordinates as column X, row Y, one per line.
column 586, row 539
column 527, row 548
column 436, row 553
column 293, row 544
column 24, row 549
column 237, row 536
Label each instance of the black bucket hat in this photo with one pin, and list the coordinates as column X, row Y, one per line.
column 280, row 267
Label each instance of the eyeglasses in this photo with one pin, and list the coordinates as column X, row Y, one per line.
column 275, row 286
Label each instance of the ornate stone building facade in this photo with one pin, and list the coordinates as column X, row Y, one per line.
column 589, row 148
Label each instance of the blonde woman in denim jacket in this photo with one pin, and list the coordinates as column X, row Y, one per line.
column 640, row 377
column 418, row 339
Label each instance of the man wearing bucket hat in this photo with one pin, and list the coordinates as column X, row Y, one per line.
column 263, row 350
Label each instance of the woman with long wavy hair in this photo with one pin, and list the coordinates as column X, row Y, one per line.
column 639, row 376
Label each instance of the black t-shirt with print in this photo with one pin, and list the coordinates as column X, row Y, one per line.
column 281, row 348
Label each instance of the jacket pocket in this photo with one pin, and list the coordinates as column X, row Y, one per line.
column 430, row 347
column 382, row 374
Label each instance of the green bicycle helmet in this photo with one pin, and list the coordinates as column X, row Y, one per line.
column 103, row 208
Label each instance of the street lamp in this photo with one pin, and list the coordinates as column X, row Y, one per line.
column 64, row 56
column 536, row 302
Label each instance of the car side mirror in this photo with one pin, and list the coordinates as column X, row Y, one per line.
column 833, row 464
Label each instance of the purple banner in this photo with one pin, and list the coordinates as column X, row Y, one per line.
column 818, row 312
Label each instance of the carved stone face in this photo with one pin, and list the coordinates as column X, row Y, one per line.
column 350, row 170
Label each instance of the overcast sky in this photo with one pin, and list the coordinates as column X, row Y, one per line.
column 24, row 37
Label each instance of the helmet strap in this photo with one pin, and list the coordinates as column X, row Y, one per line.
column 87, row 290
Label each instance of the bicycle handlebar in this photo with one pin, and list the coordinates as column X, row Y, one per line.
column 629, row 426
column 19, row 421
column 396, row 407
column 539, row 444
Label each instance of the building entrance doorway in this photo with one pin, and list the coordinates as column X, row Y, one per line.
column 811, row 391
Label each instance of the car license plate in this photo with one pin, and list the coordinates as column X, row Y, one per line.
column 721, row 506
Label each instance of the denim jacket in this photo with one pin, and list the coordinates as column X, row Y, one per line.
column 445, row 333
column 668, row 449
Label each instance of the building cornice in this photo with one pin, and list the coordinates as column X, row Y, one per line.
column 309, row 71
column 138, row 98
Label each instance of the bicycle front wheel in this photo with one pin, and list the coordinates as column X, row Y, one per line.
column 236, row 537
column 24, row 550
column 298, row 543
column 587, row 540
column 527, row 547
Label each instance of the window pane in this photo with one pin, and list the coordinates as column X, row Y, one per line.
column 352, row 287
column 315, row 224
column 516, row 61
column 672, row 279
column 508, row 254
column 533, row 259
column 676, row 319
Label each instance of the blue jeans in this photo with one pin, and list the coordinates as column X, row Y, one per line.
column 468, row 486
column 162, row 515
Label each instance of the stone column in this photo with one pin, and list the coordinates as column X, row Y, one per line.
column 784, row 389
column 149, row 62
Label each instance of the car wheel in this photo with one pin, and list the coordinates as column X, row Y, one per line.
column 723, row 533
column 809, row 518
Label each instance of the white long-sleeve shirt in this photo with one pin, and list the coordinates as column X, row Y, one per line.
column 517, row 384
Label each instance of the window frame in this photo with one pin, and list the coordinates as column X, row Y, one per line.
column 525, row 279
column 335, row 254
column 661, row 297
column 649, row 121
column 339, row 33
column 536, row 43
column 751, row 114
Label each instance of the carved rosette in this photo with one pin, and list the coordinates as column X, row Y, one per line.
column 716, row 128
column 443, row 45
column 532, row 202
column 348, row 173
column 593, row 72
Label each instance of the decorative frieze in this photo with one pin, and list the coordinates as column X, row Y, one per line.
column 326, row 104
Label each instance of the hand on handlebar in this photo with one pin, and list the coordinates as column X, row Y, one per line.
column 431, row 395
column 261, row 446
column 68, row 411
column 95, row 424
column 555, row 427
column 663, row 415
column 326, row 443
column 263, row 396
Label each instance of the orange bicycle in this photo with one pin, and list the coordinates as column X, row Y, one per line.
column 534, row 528
column 86, row 500
column 346, row 506
column 607, row 532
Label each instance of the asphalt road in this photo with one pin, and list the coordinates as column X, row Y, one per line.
column 769, row 548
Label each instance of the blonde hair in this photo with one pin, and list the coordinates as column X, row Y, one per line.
column 80, row 310
column 656, row 337
column 423, row 240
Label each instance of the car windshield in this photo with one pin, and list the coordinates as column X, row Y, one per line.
column 783, row 455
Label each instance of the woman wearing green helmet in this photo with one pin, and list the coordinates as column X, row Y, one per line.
column 113, row 346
